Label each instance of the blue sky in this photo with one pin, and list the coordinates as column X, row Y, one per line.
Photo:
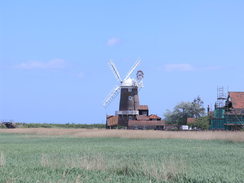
column 54, row 54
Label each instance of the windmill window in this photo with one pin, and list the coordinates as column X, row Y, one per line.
column 130, row 97
column 129, row 89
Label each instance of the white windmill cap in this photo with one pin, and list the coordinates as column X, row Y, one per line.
column 128, row 82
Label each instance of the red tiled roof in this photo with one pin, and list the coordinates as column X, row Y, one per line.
column 142, row 107
column 153, row 116
column 109, row 116
column 237, row 99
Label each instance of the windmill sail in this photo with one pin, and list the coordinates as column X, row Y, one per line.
column 115, row 71
column 132, row 70
column 111, row 96
column 128, row 101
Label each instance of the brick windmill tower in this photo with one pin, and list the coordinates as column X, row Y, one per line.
column 128, row 89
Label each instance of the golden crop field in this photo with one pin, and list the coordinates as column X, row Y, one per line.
column 237, row 136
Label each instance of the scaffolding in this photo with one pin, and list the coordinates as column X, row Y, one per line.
column 221, row 98
column 218, row 120
column 224, row 118
column 234, row 119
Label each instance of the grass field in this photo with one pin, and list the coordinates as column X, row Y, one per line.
column 83, row 156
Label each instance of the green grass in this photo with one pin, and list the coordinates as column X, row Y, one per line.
column 29, row 158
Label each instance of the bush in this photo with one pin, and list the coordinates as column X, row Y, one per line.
column 201, row 123
column 2, row 125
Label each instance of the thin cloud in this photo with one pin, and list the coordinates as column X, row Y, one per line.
column 52, row 64
column 178, row 67
column 113, row 41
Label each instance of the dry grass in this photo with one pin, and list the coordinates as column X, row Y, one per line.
column 86, row 162
column 237, row 136
column 154, row 169
column 2, row 160
column 163, row 170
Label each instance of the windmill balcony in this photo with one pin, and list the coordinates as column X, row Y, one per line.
column 131, row 112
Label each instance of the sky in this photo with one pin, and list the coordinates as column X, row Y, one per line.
column 54, row 55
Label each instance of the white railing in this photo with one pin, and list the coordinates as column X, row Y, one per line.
column 127, row 112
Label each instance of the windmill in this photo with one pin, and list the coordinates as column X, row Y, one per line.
column 128, row 89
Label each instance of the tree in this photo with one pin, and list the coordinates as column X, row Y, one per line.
column 201, row 123
column 185, row 110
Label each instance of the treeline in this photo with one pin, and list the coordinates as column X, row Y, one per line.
column 50, row 125
column 184, row 110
